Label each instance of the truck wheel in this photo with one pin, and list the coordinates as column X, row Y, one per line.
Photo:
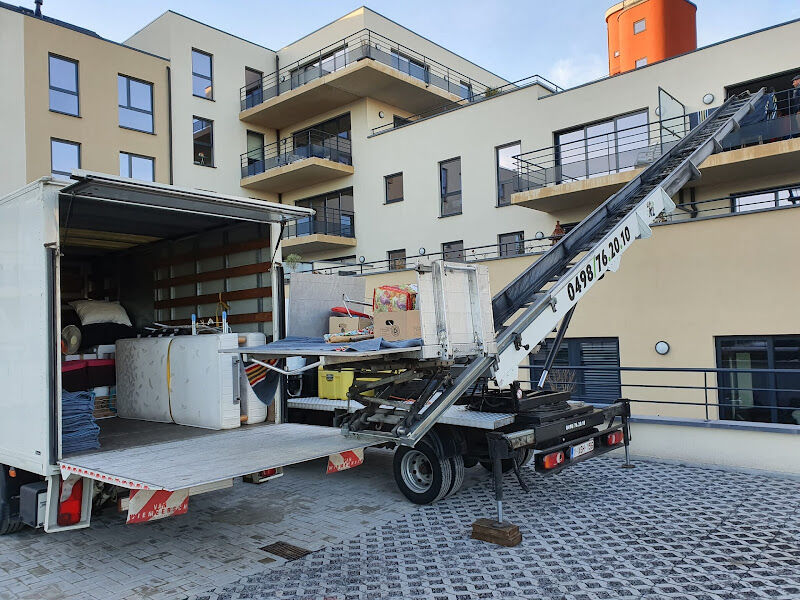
column 7, row 525
column 7, row 492
column 458, row 467
column 422, row 476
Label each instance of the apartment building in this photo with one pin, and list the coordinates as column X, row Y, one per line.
column 408, row 152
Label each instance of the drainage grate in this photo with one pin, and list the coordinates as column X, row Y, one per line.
column 285, row 550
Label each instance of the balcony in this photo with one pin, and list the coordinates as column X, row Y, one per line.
column 328, row 229
column 586, row 172
column 301, row 160
column 360, row 65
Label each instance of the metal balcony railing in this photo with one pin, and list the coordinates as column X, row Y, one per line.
column 774, row 118
column 364, row 44
column 328, row 221
column 300, row 146
column 781, row 197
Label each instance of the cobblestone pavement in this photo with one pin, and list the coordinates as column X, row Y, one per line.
column 593, row 532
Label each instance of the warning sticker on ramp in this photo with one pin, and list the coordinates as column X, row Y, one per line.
column 151, row 505
column 345, row 460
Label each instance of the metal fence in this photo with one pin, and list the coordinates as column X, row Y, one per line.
column 300, row 146
column 364, row 44
column 328, row 221
column 707, row 393
column 781, row 197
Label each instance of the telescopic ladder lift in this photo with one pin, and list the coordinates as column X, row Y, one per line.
column 543, row 296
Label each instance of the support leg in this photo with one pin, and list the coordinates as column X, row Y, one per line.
column 627, row 439
column 499, row 531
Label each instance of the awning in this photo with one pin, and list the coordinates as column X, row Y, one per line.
column 109, row 188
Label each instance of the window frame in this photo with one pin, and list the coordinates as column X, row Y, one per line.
column 209, row 77
column 499, row 183
column 519, row 243
column 66, row 142
column 131, row 156
column 396, row 264
column 444, row 195
column 643, row 21
column 212, row 164
column 50, row 87
column 639, row 60
column 445, row 251
column 331, row 207
column 386, row 188
column 152, row 111
column 775, row 191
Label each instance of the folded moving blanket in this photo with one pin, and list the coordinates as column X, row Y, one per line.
column 79, row 431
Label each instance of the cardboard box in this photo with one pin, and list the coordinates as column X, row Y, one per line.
column 395, row 326
column 345, row 324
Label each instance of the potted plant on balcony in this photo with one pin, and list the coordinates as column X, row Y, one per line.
column 291, row 261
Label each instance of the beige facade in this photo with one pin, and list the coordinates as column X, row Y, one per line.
column 32, row 124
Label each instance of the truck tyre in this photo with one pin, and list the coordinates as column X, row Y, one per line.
column 457, row 465
column 8, row 524
column 422, row 476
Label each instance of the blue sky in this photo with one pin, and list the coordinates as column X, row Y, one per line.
column 564, row 40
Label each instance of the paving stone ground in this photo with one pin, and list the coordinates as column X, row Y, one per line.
column 594, row 531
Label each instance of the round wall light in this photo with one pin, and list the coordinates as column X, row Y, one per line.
column 422, row 251
column 657, row 110
column 539, row 235
column 362, row 260
column 662, row 347
column 708, row 98
column 380, row 114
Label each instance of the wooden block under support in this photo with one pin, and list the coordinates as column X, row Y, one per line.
column 504, row 534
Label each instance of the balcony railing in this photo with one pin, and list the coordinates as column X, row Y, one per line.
column 308, row 144
column 326, row 221
column 774, row 118
column 358, row 46
column 780, row 197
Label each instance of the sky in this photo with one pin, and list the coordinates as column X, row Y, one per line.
column 563, row 40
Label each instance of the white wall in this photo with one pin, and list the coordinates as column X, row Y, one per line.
column 173, row 36
column 12, row 102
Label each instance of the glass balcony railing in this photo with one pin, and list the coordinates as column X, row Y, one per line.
column 365, row 44
column 327, row 221
column 308, row 144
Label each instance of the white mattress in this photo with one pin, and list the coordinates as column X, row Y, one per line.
column 142, row 390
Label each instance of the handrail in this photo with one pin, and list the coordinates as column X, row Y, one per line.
column 351, row 49
column 327, row 221
column 311, row 143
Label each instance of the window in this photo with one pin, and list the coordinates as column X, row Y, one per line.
column 397, row 259
column 640, row 62
column 64, row 157
column 310, row 71
column 137, row 167
column 202, row 85
column 453, row 251
column 601, row 148
column 254, row 162
column 450, row 187
column 253, row 90
column 764, row 397
column 334, row 215
column 329, row 139
column 639, row 26
column 135, row 104
column 511, row 244
column 63, row 85
column 582, row 367
column 203, row 134
column 413, row 67
column 506, row 172
column 394, row 188
column 766, row 199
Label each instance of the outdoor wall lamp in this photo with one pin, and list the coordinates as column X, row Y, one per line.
column 380, row 114
column 362, row 260
column 708, row 98
column 662, row 347
column 422, row 251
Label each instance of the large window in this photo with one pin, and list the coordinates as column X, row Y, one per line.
column 135, row 104
column 506, row 172
column 255, row 154
column 771, row 198
column 511, row 244
column 450, row 187
column 453, row 251
column 137, row 167
column 587, row 367
column 397, row 259
column 336, row 59
column 254, row 93
column 333, row 216
column 751, row 394
column 202, row 84
column 203, row 135
column 601, row 148
column 64, row 85
column 394, row 188
column 64, row 157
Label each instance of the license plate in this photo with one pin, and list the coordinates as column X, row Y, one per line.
column 581, row 449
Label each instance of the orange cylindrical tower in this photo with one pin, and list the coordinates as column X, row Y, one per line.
column 641, row 32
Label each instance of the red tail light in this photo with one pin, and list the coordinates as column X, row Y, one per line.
column 268, row 472
column 553, row 460
column 612, row 439
column 69, row 508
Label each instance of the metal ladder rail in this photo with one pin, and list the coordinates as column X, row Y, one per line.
column 673, row 170
column 519, row 292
